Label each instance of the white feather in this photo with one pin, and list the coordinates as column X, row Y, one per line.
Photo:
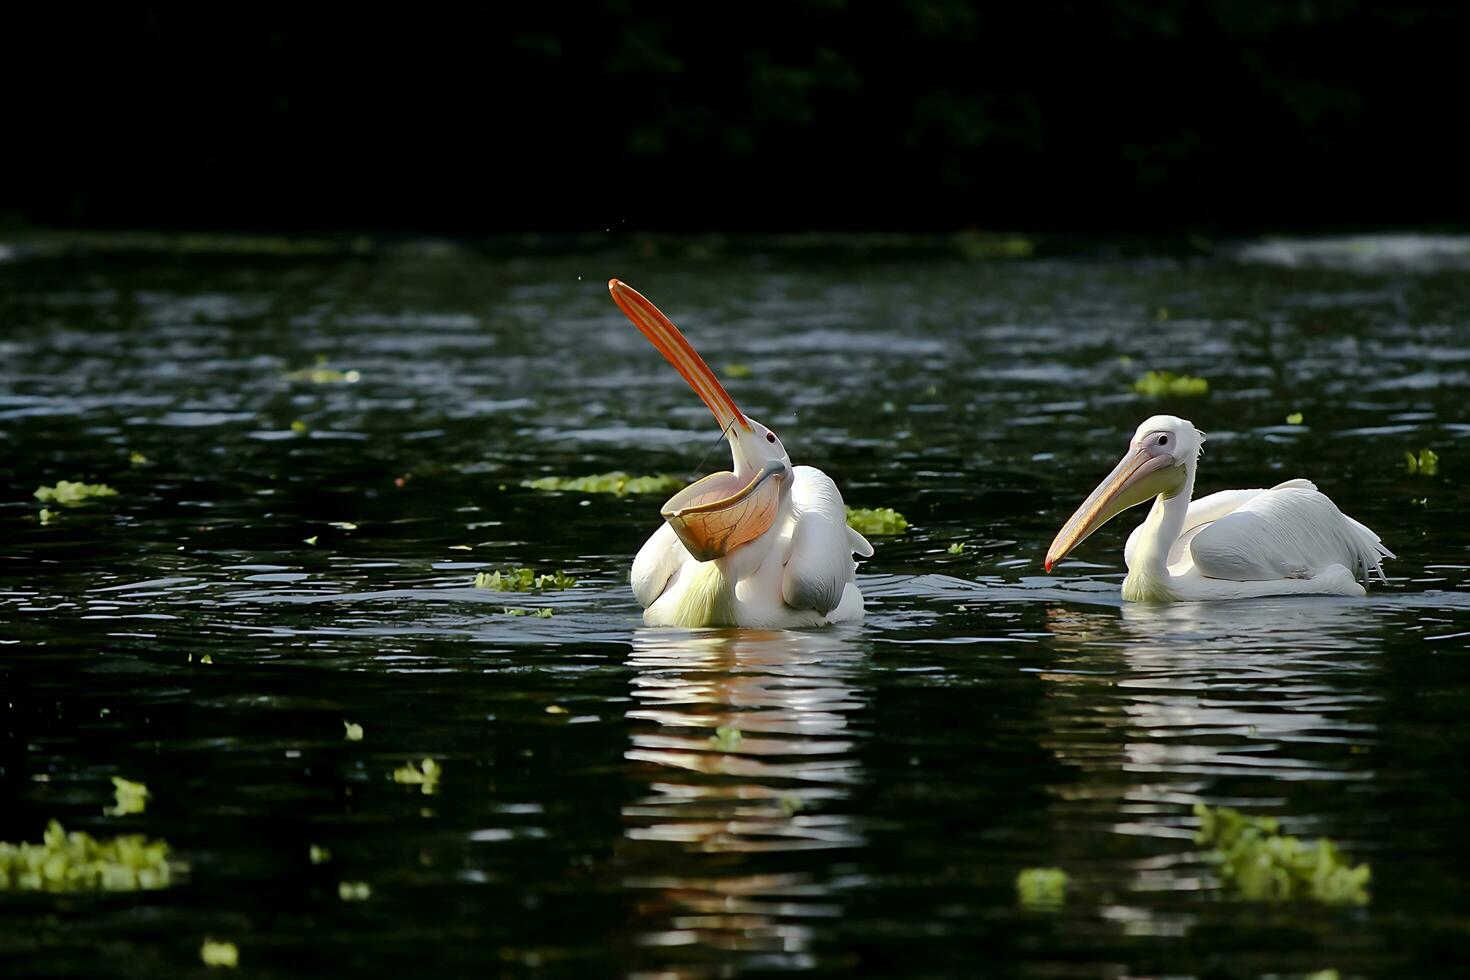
column 819, row 560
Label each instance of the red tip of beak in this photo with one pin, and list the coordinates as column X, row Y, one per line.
column 613, row 284
column 1048, row 567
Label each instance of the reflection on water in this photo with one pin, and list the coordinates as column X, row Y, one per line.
column 777, row 788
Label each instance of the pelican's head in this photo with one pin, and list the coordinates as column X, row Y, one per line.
column 723, row 511
column 1156, row 464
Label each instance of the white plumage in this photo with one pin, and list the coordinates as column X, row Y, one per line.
column 806, row 578
column 1290, row 539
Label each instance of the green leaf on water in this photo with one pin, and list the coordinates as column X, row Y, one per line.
column 736, row 370
column 324, row 376
column 299, row 427
column 69, row 493
column 353, row 732
column 1157, row 384
column 1042, row 886
column 216, row 953
column 131, row 797
column 1295, row 418
column 1425, row 464
column 523, row 580
column 354, row 891
column 318, row 854
column 726, row 738
column 78, row 862
column 1260, row 863
column 47, row 516
column 425, row 775
column 617, row 483
column 136, row 458
column 958, row 548
column 876, row 521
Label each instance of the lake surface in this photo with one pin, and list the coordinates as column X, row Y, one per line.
column 890, row 779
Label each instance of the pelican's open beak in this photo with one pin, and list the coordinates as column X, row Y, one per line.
column 720, row 512
column 1140, row 475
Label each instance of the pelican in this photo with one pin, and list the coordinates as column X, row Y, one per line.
column 1235, row 544
column 764, row 546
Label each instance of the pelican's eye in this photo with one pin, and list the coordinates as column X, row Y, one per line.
column 1163, row 440
column 770, row 437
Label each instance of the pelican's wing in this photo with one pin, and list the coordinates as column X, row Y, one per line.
column 819, row 560
column 657, row 561
column 1201, row 513
column 1290, row 531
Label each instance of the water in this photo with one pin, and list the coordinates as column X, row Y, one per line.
column 890, row 779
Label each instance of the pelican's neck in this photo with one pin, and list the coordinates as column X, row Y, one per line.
column 1148, row 573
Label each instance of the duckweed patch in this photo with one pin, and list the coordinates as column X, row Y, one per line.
column 726, row 738
column 958, row 548
column 1295, row 418
column 131, row 797
column 425, row 775
column 1042, row 886
column 78, row 862
column 354, row 891
column 876, row 520
column 1260, row 863
column 617, row 483
column 216, row 953
column 537, row 613
column 353, row 731
column 736, row 370
column 69, row 493
column 1424, row 464
column 523, row 580
column 1158, row 384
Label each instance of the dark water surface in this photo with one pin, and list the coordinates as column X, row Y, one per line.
column 892, row 778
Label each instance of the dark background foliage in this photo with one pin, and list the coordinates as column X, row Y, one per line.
column 1114, row 116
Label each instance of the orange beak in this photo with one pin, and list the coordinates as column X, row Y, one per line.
column 722, row 511
column 666, row 337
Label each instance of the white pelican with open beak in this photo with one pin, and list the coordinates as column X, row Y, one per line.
column 766, row 545
column 1235, row 544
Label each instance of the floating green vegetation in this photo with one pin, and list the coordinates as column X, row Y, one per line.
column 78, row 862
column 1157, row 384
column 1042, row 886
column 353, row 731
column 354, row 891
column 523, row 580
column 319, row 854
column 324, row 376
column 736, row 370
column 311, row 540
column 47, row 516
column 876, row 520
column 216, row 953
column 1425, row 464
column 425, row 775
column 617, row 483
column 726, row 738
column 1295, row 418
column 206, row 659
column 538, row 613
column 131, row 797
column 1262, row 864
column 299, row 427
column 69, row 493
column 990, row 245
column 136, row 458
column 791, row 804
column 958, row 548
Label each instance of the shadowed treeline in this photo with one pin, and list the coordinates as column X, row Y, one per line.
column 925, row 114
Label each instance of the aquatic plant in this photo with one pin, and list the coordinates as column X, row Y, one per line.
column 131, row 797
column 324, row 376
column 354, row 891
column 617, row 483
column 958, row 548
column 318, row 854
column 523, row 580
column 1425, row 464
column 1295, row 418
column 726, row 738
column 876, row 520
column 425, row 775
column 736, row 370
column 69, row 493
column 136, row 458
column 538, row 613
column 1260, row 863
column 216, row 953
column 47, row 516
column 1042, row 886
column 353, row 731
column 1157, row 384
column 78, row 862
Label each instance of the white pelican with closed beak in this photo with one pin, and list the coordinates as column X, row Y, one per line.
column 1235, row 544
column 766, row 545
